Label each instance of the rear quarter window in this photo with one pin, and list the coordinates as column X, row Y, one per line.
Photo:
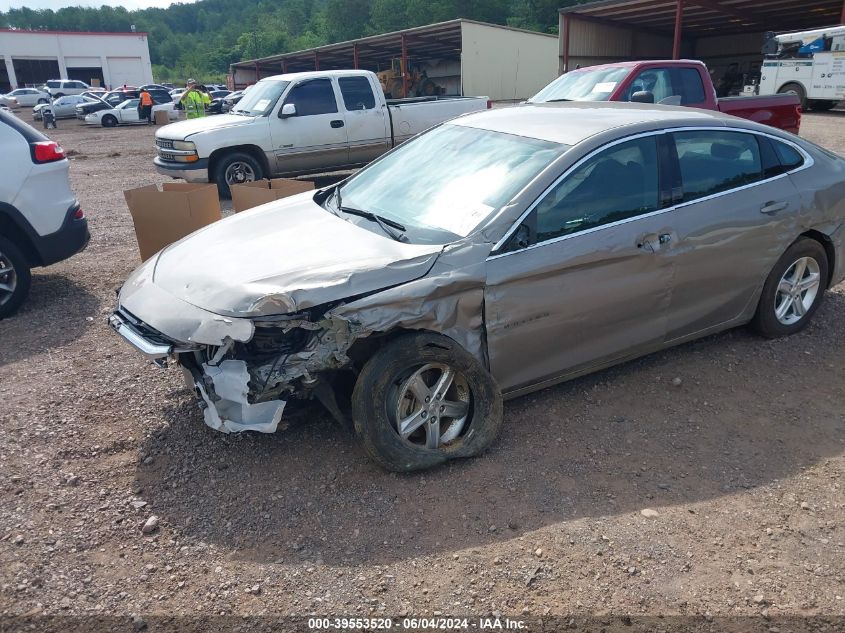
column 790, row 158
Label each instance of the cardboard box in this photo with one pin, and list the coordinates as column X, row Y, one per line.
column 252, row 194
column 161, row 117
column 163, row 216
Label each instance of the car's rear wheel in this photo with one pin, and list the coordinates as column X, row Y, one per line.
column 793, row 291
column 43, row 101
column 235, row 169
column 797, row 89
column 422, row 400
column 15, row 278
column 109, row 121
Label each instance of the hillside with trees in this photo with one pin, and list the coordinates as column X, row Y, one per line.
column 201, row 39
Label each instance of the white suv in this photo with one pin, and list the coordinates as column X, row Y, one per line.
column 61, row 87
column 41, row 222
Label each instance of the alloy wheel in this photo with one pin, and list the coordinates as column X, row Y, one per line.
column 8, row 279
column 432, row 406
column 797, row 290
column 239, row 172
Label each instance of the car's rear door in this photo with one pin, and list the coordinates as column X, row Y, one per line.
column 738, row 214
column 586, row 276
column 367, row 127
column 315, row 137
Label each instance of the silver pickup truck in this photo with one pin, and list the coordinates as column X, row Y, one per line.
column 297, row 124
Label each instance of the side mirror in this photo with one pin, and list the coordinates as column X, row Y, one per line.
column 642, row 96
column 288, row 110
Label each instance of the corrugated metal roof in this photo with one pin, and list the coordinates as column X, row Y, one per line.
column 434, row 40
column 712, row 17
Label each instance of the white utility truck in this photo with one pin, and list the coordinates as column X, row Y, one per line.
column 809, row 63
column 297, row 124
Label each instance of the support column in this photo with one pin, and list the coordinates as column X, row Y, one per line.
column 284, row 66
column 676, row 43
column 567, row 22
column 10, row 70
column 355, row 56
column 404, row 66
column 316, row 60
column 257, row 73
column 842, row 17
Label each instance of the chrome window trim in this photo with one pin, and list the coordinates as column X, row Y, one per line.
column 808, row 162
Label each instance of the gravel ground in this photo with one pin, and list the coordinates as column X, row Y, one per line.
column 702, row 481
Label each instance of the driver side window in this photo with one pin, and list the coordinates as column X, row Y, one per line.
column 618, row 183
column 313, row 97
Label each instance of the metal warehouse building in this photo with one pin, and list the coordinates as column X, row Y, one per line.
column 30, row 58
column 462, row 57
column 718, row 32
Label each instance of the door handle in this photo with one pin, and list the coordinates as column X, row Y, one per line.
column 651, row 243
column 773, row 207
column 337, row 123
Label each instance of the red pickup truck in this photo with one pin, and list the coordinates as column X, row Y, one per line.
column 682, row 82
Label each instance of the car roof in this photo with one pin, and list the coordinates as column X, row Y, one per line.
column 315, row 74
column 572, row 122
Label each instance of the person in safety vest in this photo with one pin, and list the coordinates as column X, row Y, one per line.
column 194, row 100
column 145, row 107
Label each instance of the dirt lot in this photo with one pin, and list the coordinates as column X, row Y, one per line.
column 736, row 443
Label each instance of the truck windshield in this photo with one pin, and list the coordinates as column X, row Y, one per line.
column 583, row 85
column 261, row 98
column 449, row 179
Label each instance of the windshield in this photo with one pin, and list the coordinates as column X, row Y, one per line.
column 583, row 85
column 261, row 98
column 450, row 178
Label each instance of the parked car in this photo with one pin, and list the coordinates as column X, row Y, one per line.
column 670, row 82
column 61, row 87
column 114, row 99
column 294, row 124
column 8, row 102
column 125, row 114
column 154, row 87
column 493, row 255
column 217, row 97
column 177, row 92
column 230, row 100
column 41, row 221
column 63, row 107
column 28, row 97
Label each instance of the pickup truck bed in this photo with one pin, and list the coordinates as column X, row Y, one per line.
column 780, row 111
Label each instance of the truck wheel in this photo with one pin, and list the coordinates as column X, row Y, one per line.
column 14, row 278
column 109, row 121
column 821, row 105
column 422, row 400
column 234, row 169
column 797, row 89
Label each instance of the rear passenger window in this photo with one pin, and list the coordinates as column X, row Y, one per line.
column 619, row 183
column 357, row 93
column 789, row 157
column 687, row 82
column 715, row 161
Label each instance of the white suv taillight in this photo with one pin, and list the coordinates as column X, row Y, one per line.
column 46, row 152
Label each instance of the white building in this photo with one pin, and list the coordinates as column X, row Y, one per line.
column 32, row 57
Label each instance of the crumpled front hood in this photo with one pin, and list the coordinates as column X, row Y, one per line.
column 180, row 130
column 283, row 257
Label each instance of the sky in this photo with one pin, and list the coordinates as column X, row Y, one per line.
column 5, row 5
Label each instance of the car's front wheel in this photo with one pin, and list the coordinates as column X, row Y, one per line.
column 109, row 121
column 43, row 101
column 14, row 278
column 793, row 291
column 422, row 400
column 235, row 169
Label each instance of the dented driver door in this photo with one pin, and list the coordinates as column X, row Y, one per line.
column 586, row 277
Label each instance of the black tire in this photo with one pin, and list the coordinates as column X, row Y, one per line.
column 58, row 95
column 766, row 321
column 231, row 161
column 43, row 101
column 378, row 388
column 822, row 105
column 109, row 121
column 12, row 257
column 797, row 89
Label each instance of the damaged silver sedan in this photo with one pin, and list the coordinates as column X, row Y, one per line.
column 493, row 255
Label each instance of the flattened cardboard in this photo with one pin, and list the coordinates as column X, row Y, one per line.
column 166, row 215
column 252, row 194
column 161, row 117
